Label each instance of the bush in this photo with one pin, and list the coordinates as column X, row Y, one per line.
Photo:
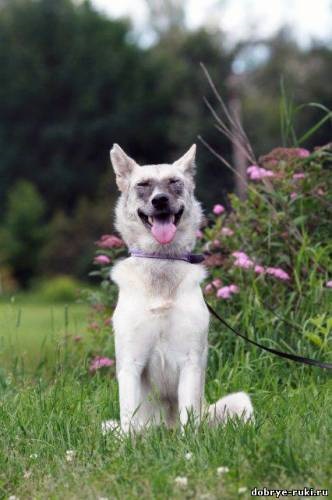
column 59, row 289
column 23, row 233
column 271, row 251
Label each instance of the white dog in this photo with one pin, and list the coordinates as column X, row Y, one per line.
column 161, row 320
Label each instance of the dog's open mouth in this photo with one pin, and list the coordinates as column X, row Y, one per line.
column 162, row 225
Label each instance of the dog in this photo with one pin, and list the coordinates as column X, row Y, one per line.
column 161, row 320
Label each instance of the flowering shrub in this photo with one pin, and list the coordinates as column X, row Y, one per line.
column 272, row 249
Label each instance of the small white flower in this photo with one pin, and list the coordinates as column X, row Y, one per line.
column 242, row 489
column 188, row 456
column 34, row 456
column 70, row 455
column 181, row 481
column 222, row 470
column 13, row 497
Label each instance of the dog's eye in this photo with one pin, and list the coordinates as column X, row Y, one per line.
column 173, row 181
column 143, row 184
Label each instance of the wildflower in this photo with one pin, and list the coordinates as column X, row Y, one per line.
column 108, row 321
column 93, row 325
column 33, row 456
column 299, row 175
column 188, row 456
column 257, row 173
column 216, row 243
column 218, row 209
column 217, row 283
column 259, row 269
column 329, row 284
column 199, row 234
column 102, row 260
column 222, row 470
column 241, row 490
column 109, row 241
column 13, row 497
column 226, row 231
column 242, row 260
column 234, row 289
column 100, row 362
column 302, row 153
column 208, row 288
column 293, row 195
column 224, row 293
column 70, row 455
column 77, row 338
column 278, row 273
column 181, row 481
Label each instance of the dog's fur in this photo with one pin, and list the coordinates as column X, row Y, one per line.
column 161, row 320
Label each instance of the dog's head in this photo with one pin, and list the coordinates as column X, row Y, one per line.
column 157, row 207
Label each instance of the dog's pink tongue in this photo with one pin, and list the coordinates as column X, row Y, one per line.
column 163, row 232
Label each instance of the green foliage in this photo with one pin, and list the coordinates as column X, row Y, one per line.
column 59, row 289
column 23, row 233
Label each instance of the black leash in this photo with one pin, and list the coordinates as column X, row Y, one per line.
column 293, row 357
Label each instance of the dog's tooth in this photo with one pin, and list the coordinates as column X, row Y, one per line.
column 150, row 219
column 173, row 219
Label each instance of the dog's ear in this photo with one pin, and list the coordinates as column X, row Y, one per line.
column 123, row 166
column 187, row 162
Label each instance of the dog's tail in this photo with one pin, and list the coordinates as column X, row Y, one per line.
column 233, row 406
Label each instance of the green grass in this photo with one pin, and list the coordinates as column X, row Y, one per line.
column 48, row 409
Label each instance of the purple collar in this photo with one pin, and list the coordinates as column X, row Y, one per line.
column 186, row 257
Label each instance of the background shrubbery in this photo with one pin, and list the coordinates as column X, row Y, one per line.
column 71, row 90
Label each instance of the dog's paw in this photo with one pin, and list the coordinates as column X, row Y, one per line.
column 110, row 426
column 236, row 405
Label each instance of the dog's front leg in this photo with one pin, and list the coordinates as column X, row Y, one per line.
column 129, row 378
column 190, row 392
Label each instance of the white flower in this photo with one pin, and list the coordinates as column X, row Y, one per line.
column 34, row 456
column 188, row 456
column 222, row 470
column 181, row 481
column 242, row 489
column 13, row 497
column 70, row 455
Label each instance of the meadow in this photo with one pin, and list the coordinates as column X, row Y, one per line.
column 51, row 415
column 269, row 263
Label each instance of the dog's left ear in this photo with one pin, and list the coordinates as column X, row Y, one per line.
column 187, row 162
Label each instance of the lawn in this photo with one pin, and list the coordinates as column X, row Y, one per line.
column 51, row 407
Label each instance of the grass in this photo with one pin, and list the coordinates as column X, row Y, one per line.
column 47, row 409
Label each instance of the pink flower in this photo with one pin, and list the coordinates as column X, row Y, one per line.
column 216, row 243
column 226, row 231
column 293, row 195
column 199, row 234
column 278, row 273
column 109, row 241
column 329, row 284
column 257, row 173
column 234, row 289
column 100, row 362
column 93, row 325
column 299, row 175
column 244, row 263
column 102, row 260
column 302, row 153
column 208, row 289
column 224, row 293
column 108, row 321
column 259, row 269
column 218, row 209
column 217, row 283
column 239, row 255
column 77, row 338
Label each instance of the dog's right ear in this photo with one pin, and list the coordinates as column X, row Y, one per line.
column 123, row 166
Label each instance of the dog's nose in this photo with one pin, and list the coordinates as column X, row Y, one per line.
column 160, row 201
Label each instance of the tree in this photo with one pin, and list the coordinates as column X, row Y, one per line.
column 24, row 232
